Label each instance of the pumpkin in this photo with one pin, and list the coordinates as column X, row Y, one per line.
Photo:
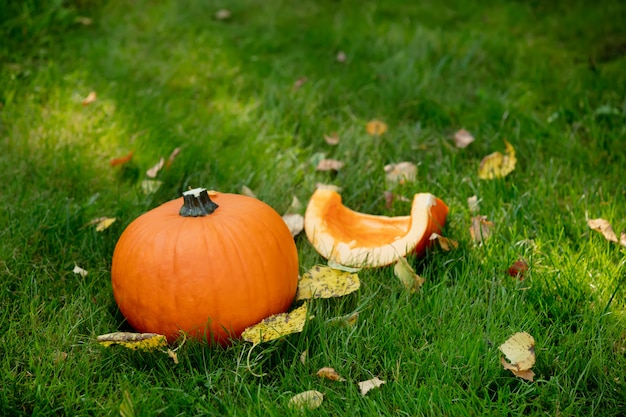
column 209, row 266
column 354, row 239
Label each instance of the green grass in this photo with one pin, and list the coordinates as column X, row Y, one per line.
column 547, row 76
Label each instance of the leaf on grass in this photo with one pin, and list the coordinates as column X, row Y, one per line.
column 172, row 157
column 80, row 271
column 604, row 227
column 154, row 171
column 329, row 165
column 295, row 206
column 122, row 159
column 472, row 204
column 366, row 386
column 329, row 373
column 150, row 186
column 127, row 409
column 407, row 275
column 308, row 400
column 498, row 165
column 223, row 14
column 299, row 82
column 518, row 269
column 375, row 127
column 347, row 320
column 622, row 238
column 463, row 138
column 400, row 173
column 245, row 190
column 341, row 56
column 84, row 20
column 173, row 355
column 332, row 187
column 304, row 356
column 519, row 349
column 481, row 228
column 326, row 282
column 277, row 326
column 332, row 139
column 141, row 341
column 91, row 98
column 295, row 223
column 102, row 223
column 444, row 243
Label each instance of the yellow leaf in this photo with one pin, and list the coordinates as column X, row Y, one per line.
column 519, row 349
column 407, row 275
column 329, row 373
column 498, row 165
column 277, row 326
column 309, row 400
column 604, row 227
column 365, row 386
column 142, row 341
column 326, row 282
column 480, row 228
column 376, row 127
column 102, row 223
column 400, row 173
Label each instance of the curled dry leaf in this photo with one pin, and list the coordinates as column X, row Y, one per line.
column 463, row 138
column 400, row 173
column 481, row 228
column 329, row 165
column 172, row 157
column 277, row 326
column 498, row 165
column 407, row 275
column 332, row 139
column 142, row 341
column 518, row 269
column 519, row 349
column 80, row 271
column 295, row 223
column 604, row 227
column 329, row 373
column 154, row 171
column 326, row 282
column 308, row 400
column 375, row 127
column 122, row 159
column 444, row 243
column 91, row 98
column 366, row 386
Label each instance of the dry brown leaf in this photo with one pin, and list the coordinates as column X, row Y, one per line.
column 400, row 173
column 332, row 139
column 472, row 204
column 462, row 138
column 329, row 165
column 365, row 386
column 153, row 172
column 518, row 269
column 91, row 98
column 84, row 20
column 122, row 159
column 322, row 186
column 329, row 373
column 376, row 127
column 481, row 228
column 604, row 227
column 308, row 400
column 299, row 82
column 223, row 14
column 173, row 155
column 295, row 223
column 407, row 275
column 444, row 243
column 388, row 199
column 304, row 356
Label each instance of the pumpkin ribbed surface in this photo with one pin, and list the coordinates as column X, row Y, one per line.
column 357, row 239
column 209, row 276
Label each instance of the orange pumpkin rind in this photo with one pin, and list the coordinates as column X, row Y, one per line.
column 354, row 239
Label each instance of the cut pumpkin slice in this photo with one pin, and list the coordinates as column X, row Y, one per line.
column 361, row 240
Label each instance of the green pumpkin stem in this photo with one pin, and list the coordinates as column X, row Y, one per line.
column 197, row 203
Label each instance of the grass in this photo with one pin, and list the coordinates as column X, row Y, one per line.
column 548, row 77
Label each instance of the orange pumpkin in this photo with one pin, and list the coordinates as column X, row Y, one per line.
column 354, row 239
column 207, row 266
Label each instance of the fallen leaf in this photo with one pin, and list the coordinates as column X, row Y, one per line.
column 519, row 349
column 463, row 138
column 326, row 282
column 308, row 400
column 480, row 229
column 295, row 223
column 388, row 199
column 153, row 172
column 472, row 204
column 407, row 275
column 375, row 127
column 321, row 186
column 102, row 223
column 604, row 227
column 329, row 373
column 304, row 356
column 333, row 139
column 60, row 357
column 83, row 20
column 277, row 326
column 122, row 159
column 295, row 206
column 341, row 56
column 173, row 355
column 365, row 386
column 299, row 82
column 173, row 155
column 150, row 186
column 497, row 165
column 245, row 190
column 400, row 173
column 622, row 238
column 518, row 269
column 142, row 341
column 91, row 98
column 444, row 243
column 80, row 271
column 329, row 165
column 223, row 14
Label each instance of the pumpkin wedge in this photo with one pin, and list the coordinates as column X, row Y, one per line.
column 354, row 239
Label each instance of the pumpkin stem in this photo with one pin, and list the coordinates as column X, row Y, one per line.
column 197, row 203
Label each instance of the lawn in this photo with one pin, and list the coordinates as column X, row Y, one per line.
column 248, row 100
